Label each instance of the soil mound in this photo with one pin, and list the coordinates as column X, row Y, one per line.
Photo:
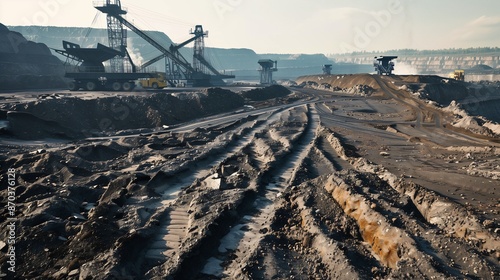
column 480, row 68
column 72, row 117
column 27, row 65
column 98, row 153
column 476, row 100
column 26, row 125
column 429, row 79
column 435, row 88
column 260, row 94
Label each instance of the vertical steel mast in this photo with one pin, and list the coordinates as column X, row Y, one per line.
column 117, row 34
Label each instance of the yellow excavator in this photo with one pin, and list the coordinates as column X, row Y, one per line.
column 458, row 75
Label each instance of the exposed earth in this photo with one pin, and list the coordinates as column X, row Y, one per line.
column 26, row 64
column 342, row 177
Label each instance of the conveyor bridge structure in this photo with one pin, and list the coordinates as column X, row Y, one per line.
column 200, row 73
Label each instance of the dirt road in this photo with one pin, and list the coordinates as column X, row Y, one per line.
column 325, row 186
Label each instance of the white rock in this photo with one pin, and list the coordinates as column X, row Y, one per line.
column 74, row 272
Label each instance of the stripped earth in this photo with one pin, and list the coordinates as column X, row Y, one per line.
column 351, row 177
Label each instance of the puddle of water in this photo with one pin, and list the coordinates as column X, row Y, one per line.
column 213, row 267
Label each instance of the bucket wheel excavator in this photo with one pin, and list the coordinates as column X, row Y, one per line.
column 200, row 73
column 89, row 72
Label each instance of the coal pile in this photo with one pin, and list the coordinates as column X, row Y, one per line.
column 27, row 65
column 74, row 118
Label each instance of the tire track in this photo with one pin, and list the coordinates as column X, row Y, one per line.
column 245, row 236
column 444, row 253
column 329, row 152
column 175, row 221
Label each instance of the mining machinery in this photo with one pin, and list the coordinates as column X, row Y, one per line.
column 201, row 73
column 327, row 69
column 157, row 82
column 384, row 65
column 86, row 65
column 267, row 67
column 89, row 72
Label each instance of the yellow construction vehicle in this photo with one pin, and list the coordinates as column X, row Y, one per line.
column 160, row 81
column 458, row 75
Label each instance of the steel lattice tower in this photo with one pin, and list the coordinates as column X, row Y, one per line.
column 117, row 34
column 267, row 67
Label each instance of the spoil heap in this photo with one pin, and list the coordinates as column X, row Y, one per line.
column 27, row 65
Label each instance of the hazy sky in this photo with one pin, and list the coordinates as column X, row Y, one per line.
column 289, row 26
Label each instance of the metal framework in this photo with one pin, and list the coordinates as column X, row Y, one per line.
column 383, row 65
column 199, row 48
column 117, row 37
column 176, row 66
column 267, row 67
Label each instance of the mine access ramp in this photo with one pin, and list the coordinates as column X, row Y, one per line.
column 384, row 65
